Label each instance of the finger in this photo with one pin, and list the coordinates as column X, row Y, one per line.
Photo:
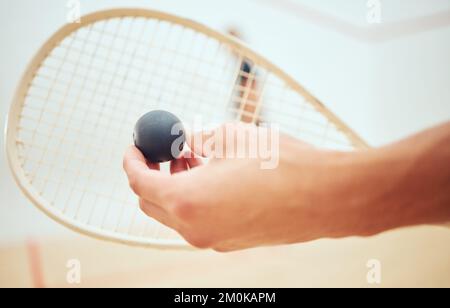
column 145, row 182
column 154, row 166
column 192, row 160
column 155, row 212
column 178, row 165
column 201, row 143
column 221, row 142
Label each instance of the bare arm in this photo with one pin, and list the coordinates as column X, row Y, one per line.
column 232, row 204
column 407, row 183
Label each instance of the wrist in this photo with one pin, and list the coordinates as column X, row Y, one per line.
column 356, row 189
column 328, row 189
column 367, row 192
column 378, row 190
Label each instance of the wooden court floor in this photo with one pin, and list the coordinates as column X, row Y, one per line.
column 417, row 257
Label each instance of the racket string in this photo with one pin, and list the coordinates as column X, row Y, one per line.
column 41, row 113
column 82, row 122
column 168, row 79
column 109, row 87
column 122, row 208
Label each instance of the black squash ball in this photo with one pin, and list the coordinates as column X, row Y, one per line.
column 160, row 136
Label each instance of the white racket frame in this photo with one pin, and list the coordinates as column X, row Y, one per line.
column 17, row 105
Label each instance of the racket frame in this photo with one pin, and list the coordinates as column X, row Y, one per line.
column 13, row 117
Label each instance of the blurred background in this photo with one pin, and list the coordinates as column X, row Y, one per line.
column 387, row 80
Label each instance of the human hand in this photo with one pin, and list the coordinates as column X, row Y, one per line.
column 232, row 203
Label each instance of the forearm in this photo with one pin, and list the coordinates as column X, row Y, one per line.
column 407, row 183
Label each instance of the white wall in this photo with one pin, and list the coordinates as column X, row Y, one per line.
column 412, row 84
column 383, row 90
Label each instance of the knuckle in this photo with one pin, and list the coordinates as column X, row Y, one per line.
column 124, row 163
column 134, row 185
column 368, row 233
column 184, row 211
column 222, row 249
column 198, row 240
column 142, row 204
